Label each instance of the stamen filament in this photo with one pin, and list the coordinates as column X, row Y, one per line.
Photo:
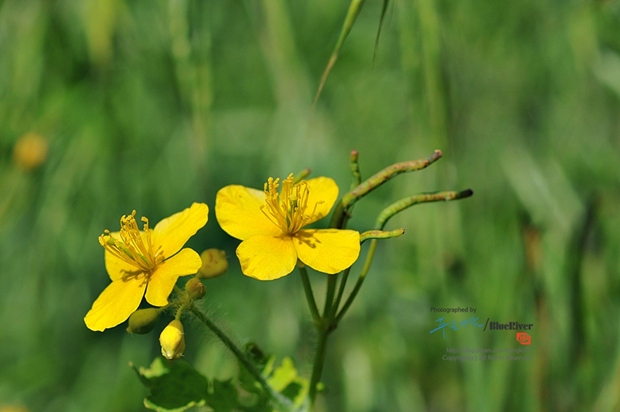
column 134, row 247
column 287, row 209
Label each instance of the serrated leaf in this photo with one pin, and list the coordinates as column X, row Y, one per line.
column 283, row 375
column 173, row 385
column 224, row 398
column 286, row 380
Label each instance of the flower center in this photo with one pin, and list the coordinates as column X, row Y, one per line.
column 134, row 247
column 286, row 209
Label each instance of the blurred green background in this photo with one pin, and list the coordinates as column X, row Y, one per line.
column 154, row 105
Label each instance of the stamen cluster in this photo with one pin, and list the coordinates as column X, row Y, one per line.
column 286, row 209
column 134, row 247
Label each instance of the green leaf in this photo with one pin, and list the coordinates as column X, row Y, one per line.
column 173, row 385
column 176, row 386
column 283, row 379
column 286, row 380
column 354, row 10
column 383, row 11
column 224, row 397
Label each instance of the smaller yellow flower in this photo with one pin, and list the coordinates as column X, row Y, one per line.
column 145, row 264
column 270, row 225
column 30, row 151
column 172, row 340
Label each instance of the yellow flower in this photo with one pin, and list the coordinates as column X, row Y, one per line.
column 145, row 263
column 270, row 225
column 30, row 151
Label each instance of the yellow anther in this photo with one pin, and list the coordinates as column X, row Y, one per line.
column 286, row 209
column 134, row 247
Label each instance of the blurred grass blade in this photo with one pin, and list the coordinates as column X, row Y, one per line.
column 354, row 10
column 383, row 10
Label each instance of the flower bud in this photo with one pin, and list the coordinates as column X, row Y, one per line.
column 30, row 151
column 172, row 340
column 214, row 264
column 195, row 288
column 143, row 320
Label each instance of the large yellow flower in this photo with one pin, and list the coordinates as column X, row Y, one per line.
column 145, row 263
column 270, row 225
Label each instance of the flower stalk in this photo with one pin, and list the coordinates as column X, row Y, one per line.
column 332, row 313
column 280, row 401
column 314, row 311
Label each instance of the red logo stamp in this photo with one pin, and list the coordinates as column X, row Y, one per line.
column 524, row 338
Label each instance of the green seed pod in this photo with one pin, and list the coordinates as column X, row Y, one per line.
column 214, row 264
column 143, row 321
column 195, row 288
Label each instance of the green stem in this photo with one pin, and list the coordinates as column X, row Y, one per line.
column 179, row 311
column 326, row 323
column 319, row 361
column 276, row 397
column 329, row 296
column 324, row 326
column 360, row 281
column 338, row 219
column 331, row 316
column 316, row 318
column 371, row 234
column 341, row 287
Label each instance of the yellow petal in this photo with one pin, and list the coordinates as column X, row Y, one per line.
column 327, row 250
column 265, row 257
column 119, row 300
column 174, row 231
column 161, row 283
column 323, row 193
column 237, row 209
column 117, row 268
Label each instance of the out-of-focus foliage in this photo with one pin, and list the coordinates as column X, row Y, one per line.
column 154, row 105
